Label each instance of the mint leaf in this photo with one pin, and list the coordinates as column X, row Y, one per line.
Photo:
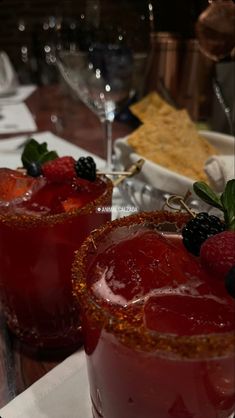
column 228, row 202
column 35, row 152
column 50, row 155
column 205, row 193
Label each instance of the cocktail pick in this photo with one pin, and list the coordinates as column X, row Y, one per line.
column 133, row 169
column 122, row 175
column 177, row 203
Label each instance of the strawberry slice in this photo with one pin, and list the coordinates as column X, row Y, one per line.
column 218, row 253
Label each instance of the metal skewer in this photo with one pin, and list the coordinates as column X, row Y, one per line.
column 112, row 173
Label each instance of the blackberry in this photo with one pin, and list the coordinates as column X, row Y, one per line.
column 230, row 282
column 86, row 168
column 198, row 229
column 34, row 169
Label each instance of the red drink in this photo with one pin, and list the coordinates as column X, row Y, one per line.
column 41, row 225
column 159, row 331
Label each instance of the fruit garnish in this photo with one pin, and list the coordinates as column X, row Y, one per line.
column 198, row 229
column 60, row 169
column 225, row 202
column 35, row 153
column 230, row 281
column 86, row 168
column 38, row 160
column 211, row 238
column 217, row 253
column 203, row 225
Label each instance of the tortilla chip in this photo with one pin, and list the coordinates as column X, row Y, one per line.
column 149, row 106
column 169, row 138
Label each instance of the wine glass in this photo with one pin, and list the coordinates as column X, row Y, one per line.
column 103, row 56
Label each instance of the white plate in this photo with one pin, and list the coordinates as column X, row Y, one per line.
column 10, row 156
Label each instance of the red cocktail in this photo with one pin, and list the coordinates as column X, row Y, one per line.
column 159, row 331
column 41, row 225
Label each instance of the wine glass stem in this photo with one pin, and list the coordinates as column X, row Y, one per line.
column 108, row 125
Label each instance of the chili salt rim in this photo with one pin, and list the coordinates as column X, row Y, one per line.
column 31, row 221
column 115, row 319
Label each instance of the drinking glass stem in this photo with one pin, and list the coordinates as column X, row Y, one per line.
column 108, row 124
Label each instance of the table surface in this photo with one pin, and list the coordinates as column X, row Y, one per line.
column 54, row 110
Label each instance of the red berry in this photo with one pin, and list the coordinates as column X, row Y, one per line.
column 218, row 253
column 60, row 169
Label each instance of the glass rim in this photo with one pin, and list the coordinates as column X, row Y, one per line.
column 31, row 221
column 197, row 346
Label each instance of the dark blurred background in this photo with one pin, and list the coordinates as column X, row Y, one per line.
column 28, row 30
column 28, row 26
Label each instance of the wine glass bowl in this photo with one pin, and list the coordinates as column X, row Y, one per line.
column 106, row 60
column 101, row 77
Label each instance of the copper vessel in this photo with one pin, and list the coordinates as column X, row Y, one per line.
column 164, row 69
column 195, row 91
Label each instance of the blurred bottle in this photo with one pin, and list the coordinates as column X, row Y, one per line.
column 215, row 29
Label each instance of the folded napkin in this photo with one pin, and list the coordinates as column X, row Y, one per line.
column 19, row 96
column 16, row 118
column 8, row 78
column 220, row 169
column 61, row 393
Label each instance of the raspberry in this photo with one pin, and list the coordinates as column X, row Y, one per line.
column 218, row 253
column 198, row 229
column 60, row 169
column 86, row 168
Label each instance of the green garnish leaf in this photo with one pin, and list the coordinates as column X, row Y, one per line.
column 228, row 202
column 207, row 194
column 37, row 153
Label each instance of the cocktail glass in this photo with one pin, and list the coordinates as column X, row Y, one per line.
column 36, row 253
column 153, row 352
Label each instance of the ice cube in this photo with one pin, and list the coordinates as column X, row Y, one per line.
column 16, row 187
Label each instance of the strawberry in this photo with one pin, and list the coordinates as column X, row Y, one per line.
column 218, row 253
column 60, row 169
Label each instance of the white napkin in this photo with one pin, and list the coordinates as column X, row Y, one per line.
column 220, row 169
column 151, row 173
column 16, row 118
column 61, row 393
column 11, row 149
column 8, row 78
column 20, row 95
column 162, row 178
